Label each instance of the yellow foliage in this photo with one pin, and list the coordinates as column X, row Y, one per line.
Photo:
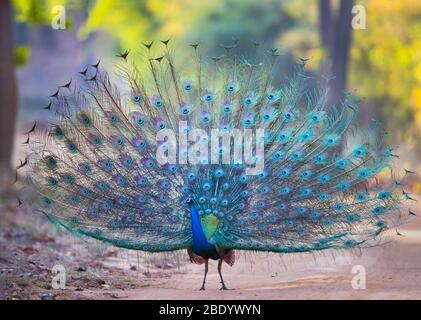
column 388, row 53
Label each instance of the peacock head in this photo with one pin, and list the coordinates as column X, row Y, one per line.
column 188, row 201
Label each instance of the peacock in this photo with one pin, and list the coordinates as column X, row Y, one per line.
column 287, row 172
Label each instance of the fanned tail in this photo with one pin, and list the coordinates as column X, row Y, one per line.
column 96, row 170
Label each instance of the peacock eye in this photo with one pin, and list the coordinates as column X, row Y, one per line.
column 158, row 103
column 208, row 98
column 189, row 200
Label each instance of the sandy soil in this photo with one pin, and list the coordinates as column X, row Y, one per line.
column 30, row 247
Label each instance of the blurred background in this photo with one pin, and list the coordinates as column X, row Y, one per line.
column 372, row 47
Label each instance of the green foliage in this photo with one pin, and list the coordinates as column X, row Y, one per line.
column 385, row 64
column 22, row 55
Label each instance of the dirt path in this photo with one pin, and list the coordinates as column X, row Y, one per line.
column 30, row 247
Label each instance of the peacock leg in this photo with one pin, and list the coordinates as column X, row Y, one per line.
column 224, row 287
column 204, row 278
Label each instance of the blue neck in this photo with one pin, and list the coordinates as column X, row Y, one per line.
column 200, row 243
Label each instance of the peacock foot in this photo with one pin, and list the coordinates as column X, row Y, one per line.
column 224, row 287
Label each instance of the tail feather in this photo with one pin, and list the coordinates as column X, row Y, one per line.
column 96, row 171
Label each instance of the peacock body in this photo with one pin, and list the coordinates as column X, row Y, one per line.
column 96, row 172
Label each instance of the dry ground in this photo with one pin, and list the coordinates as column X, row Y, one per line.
column 30, row 247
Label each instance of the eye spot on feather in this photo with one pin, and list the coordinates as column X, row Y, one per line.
column 126, row 161
column 362, row 173
column 72, row 147
column 316, row 116
column 327, row 222
column 340, row 206
column 305, row 136
column 208, row 98
column 142, row 199
column 349, row 243
column 323, row 196
column 93, row 213
column 381, row 224
column 74, row 220
column 315, row 214
column 206, row 117
column 206, row 186
column 341, row 163
column 248, row 102
column 69, row 179
column 285, row 190
column 219, row 173
column 106, row 165
column 360, row 196
column 86, row 192
column 108, row 205
column 379, row 210
column 149, row 163
column 320, row 159
column 103, row 185
column 163, row 197
column 47, row 201
column 185, row 110
column 120, row 180
column 191, row 176
column 297, row 155
column 383, row 195
column 288, row 116
column 188, row 87
column 227, row 108
column 278, row 155
column 158, row 103
column 264, row 189
column 226, row 186
column 301, row 210
column 324, row 179
column 142, row 181
column 85, row 120
column 306, row 174
column 114, row 119
column 171, row 168
column 53, row 182
column 51, row 162
column 285, row 172
column 74, row 200
column 57, row 132
column 359, row 151
column 332, row 140
column 137, row 99
column 343, row 185
column 244, row 178
column 86, row 168
column 306, row 192
column 351, row 218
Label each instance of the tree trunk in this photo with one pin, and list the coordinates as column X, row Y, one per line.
column 8, row 95
column 325, row 31
column 335, row 37
column 340, row 49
